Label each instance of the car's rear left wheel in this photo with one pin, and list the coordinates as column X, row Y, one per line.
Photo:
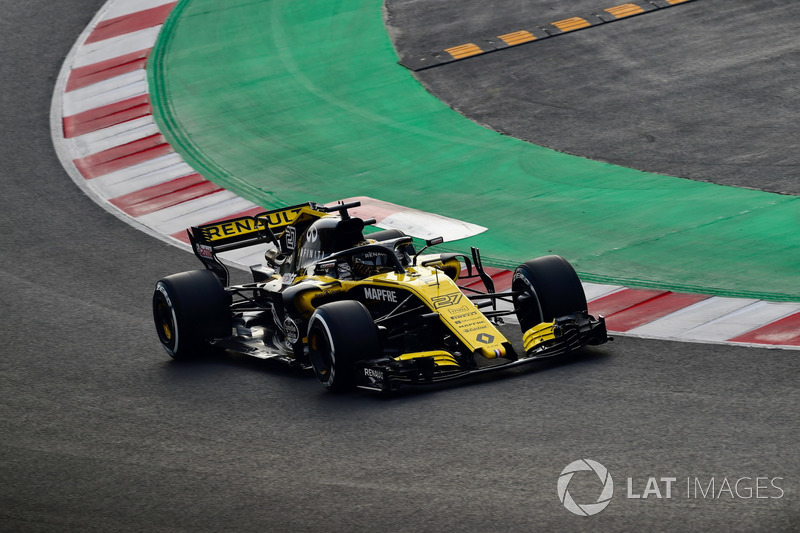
column 189, row 309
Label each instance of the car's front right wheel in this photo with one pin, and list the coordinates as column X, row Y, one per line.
column 546, row 288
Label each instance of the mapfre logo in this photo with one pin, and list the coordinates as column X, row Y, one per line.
column 585, row 509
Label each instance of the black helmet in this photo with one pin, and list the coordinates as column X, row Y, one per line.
column 329, row 235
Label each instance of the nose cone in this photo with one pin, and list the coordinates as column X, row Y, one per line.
column 491, row 353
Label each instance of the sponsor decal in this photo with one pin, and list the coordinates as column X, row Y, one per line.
column 381, row 295
column 312, row 234
column 291, row 237
column 288, row 279
column 371, row 255
column 245, row 225
column 446, row 300
column 205, row 251
column 327, row 265
column 485, row 338
column 281, row 218
column 232, row 228
column 305, row 253
column 372, row 373
column 163, row 291
column 291, row 329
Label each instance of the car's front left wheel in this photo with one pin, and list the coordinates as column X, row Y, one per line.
column 340, row 334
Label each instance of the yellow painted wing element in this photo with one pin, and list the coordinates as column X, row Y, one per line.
column 440, row 357
column 538, row 334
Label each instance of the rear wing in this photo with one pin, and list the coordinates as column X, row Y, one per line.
column 276, row 226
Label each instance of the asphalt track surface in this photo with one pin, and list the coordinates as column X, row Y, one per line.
column 708, row 90
column 99, row 431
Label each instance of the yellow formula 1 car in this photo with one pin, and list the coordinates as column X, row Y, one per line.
column 364, row 311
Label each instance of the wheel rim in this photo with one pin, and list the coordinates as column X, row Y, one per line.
column 322, row 355
column 527, row 304
column 165, row 322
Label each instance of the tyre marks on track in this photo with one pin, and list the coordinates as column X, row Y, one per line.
column 108, row 141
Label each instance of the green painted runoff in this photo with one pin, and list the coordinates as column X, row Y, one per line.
column 284, row 102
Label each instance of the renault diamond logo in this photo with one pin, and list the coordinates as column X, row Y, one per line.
column 485, row 338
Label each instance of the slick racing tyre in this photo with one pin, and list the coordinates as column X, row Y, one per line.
column 189, row 309
column 546, row 288
column 339, row 334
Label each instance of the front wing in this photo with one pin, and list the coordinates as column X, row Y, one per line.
column 549, row 339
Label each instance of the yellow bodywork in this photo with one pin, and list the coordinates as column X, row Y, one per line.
column 437, row 290
column 451, row 267
column 538, row 334
column 433, row 284
column 440, row 357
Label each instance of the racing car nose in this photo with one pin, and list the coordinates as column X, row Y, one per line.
column 491, row 353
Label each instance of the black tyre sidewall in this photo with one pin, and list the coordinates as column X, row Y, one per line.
column 556, row 288
column 166, row 326
column 348, row 328
column 199, row 308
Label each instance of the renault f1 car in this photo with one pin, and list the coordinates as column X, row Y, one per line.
column 364, row 311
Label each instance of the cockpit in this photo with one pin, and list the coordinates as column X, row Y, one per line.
column 336, row 247
column 327, row 236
